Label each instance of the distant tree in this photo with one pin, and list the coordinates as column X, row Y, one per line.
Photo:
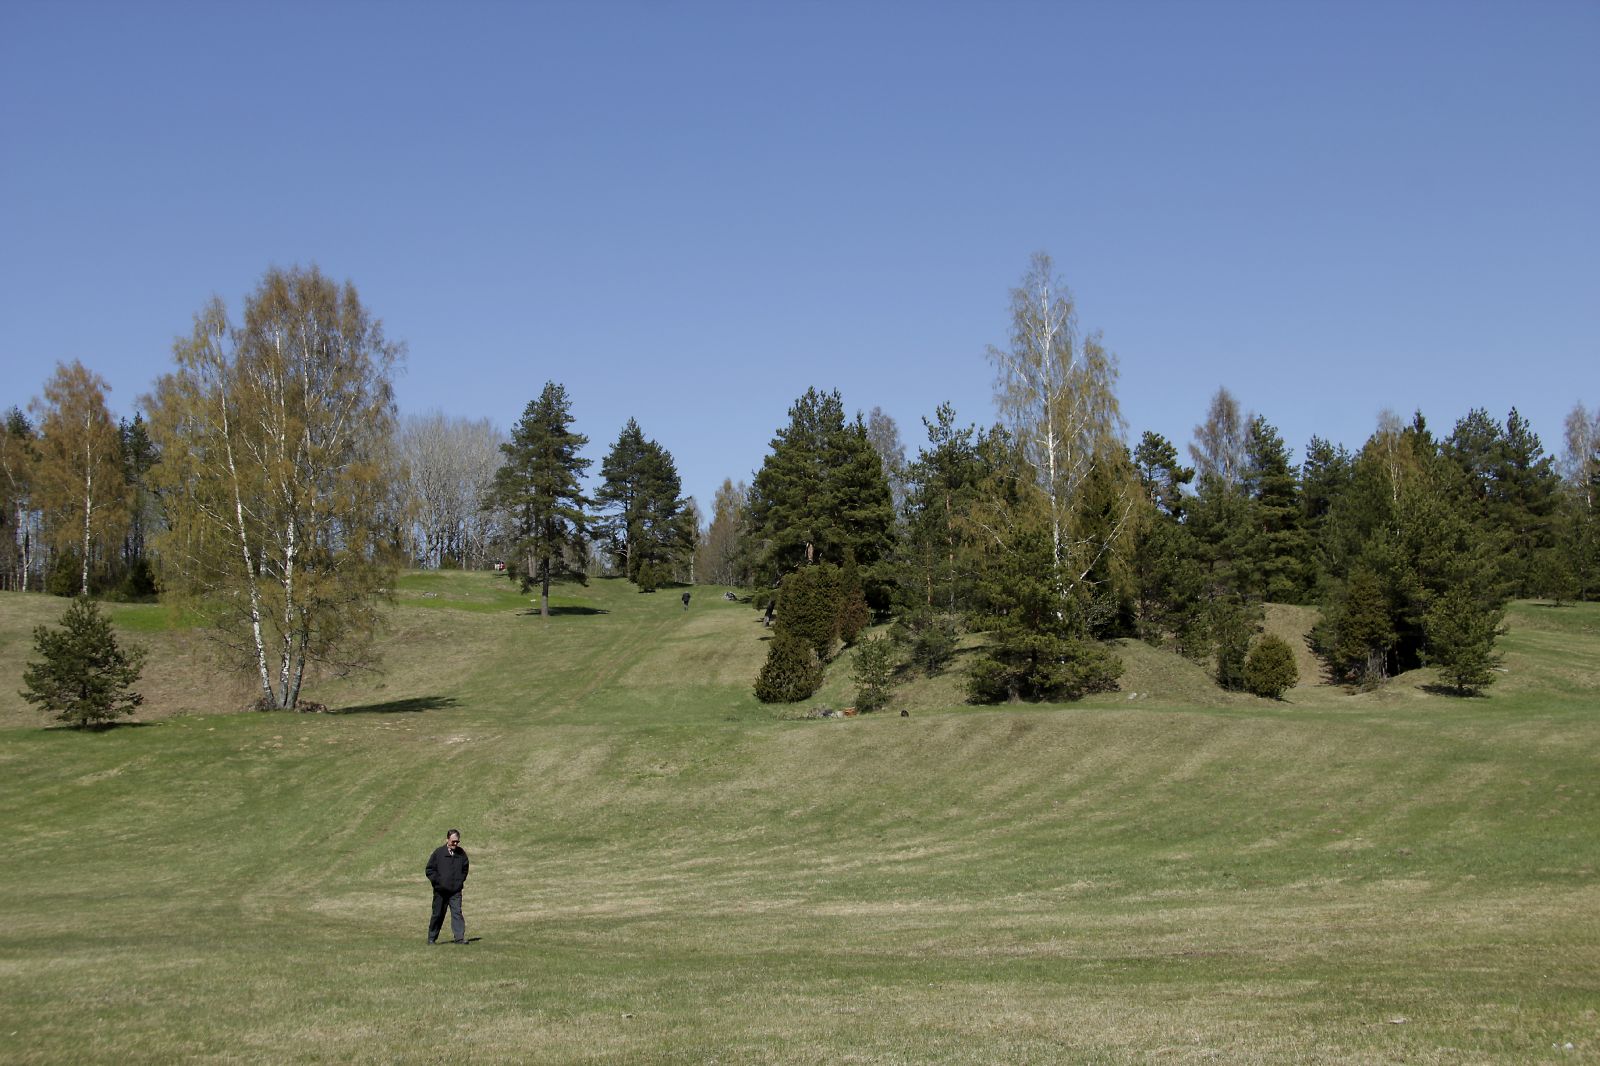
column 19, row 459
column 647, row 523
column 139, row 457
column 81, row 485
column 83, row 677
column 1232, row 623
column 1511, row 486
column 450, row 465
column 884, row 435
column 1056, row 392
column 540, row 487
column 1171, row 585
column 1160, row 473
column 1279, row 553
column 277, row 477
column 1219, row 444
column 1357, row 633
column 874, row 673
column 1324, row 476
column 1577, row 524
column 1269, row 670
column 820, row 495
column 808, row 607
column 1580, row 460
column 721, row 549
column 1461, row 630
column 936, row 546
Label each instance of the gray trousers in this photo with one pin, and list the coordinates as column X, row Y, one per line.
column 458, row 924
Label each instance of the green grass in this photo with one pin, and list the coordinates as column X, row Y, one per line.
column 668, row 871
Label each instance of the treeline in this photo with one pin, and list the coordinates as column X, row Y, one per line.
column 271, row 484
column 1050, row 535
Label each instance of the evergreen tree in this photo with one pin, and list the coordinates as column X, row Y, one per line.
column 1279, row 570
column 1160, row 473
column 1170, row 586
column 1523, row 505
column 84, row 678
column 649, row 524
column 1270, row 670
column 873, row 673
column 1461, row 629
column 792, row 671
column 541, row 489
column 942, row 485
column 820, row 495
column 1232, row 622
column 139, row 456
column 1356, row 635
column 1324, row 477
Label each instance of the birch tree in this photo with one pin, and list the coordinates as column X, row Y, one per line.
column 276, row 467
column 18, row 463
column 81, row 487
column 1055, row 389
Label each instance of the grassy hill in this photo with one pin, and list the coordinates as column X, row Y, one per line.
column 666, row 870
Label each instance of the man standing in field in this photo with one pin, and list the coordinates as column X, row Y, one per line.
column 447, row 873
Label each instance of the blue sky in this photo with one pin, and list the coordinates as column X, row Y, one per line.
column 688, row 213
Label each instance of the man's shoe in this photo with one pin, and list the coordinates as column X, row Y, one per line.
column 458, row 941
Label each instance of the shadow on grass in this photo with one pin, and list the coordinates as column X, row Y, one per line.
column 93, row 727
column 1453, row 692
column 414, row 705
column 555, row 611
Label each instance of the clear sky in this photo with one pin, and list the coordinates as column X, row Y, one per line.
column 688, row 213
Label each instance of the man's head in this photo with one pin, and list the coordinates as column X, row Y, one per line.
column 452, row 838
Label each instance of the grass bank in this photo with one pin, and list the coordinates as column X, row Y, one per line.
column 667, row 871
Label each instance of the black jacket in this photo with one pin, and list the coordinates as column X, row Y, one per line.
column 447, row 872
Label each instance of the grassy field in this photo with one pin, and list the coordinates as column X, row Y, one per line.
column 666, row 871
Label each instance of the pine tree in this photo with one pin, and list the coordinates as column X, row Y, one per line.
column 1160, row 473
column 820, row 496
column 540, row 487
column 1461, row 628
column 873, row 673
column 934, row 564
column 84, row 678
column 649, row 524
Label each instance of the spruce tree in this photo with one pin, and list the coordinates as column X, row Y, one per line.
column 84, row 678
column 1281, row 573
column 540, row 489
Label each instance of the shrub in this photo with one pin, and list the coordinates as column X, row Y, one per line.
column 792, row 671
column 874, row 673
column 1023, row 665
column 84, row 677
column 1269, row 670
column 806, row 609
column 1231, row 629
